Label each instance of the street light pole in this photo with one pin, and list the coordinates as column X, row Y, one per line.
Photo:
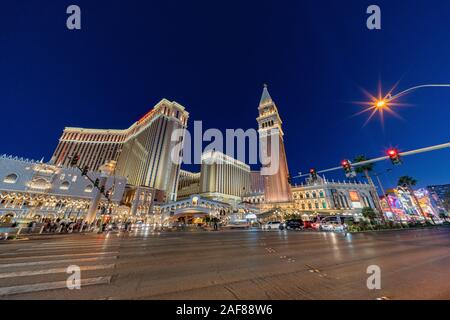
column 385, row 195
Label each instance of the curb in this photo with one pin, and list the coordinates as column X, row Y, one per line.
column 402, row 229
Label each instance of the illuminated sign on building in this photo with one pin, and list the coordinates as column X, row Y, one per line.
column 354, row 196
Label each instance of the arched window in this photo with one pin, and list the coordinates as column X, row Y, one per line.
column 316, row 204
column 303, row 206
column 307, row 195
column 309, row 206
column 40, row 184
column 89, row 188
column 65, row 185
column 314, row 194
column 10, row 178
column 324, row 204
column 321, row 194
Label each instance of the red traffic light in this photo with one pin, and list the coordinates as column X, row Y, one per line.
column 394, row 155
column 313, row 173
column 392, row 152
column 347, row 166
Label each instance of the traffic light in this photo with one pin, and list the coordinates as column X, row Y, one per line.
column 347, row 166
column 74, row 160
column 96, row 182
column 102, row 189
column 394, row 155
column 313, row 173
column 85, row 171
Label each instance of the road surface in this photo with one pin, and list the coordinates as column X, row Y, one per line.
column 415, row 264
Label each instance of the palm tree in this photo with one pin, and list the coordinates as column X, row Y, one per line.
column 365, row 169
column 407, row 183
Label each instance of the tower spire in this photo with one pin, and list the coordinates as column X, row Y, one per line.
column 265, row 97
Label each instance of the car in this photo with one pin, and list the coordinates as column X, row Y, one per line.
column 293, row 224
column 332, row 226
column 272, row 225
column 238, row 225
column 435, row 220
column 310, row 224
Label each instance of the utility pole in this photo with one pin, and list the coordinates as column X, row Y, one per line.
column 100, row 184
column 386, row 197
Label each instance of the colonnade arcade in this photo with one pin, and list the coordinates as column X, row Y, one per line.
column 18, row 205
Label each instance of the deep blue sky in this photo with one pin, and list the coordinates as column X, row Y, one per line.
column 214, row 56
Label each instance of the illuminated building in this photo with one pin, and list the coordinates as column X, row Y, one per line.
column 94, row 147
column 441, row 194
column 34, row 190
column 402, row 206
column 146, row 157
column 223, row 178
column 321, row 197
column 276, row 185
column 427, row 203
column 216, row 191
column 188, row 184
column 142, row 152
column 194, row 209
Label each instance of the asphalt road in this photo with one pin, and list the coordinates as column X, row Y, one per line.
column 415, row 264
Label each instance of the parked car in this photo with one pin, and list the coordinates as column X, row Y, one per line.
column 327, row 226
column 308, row 224
column 435, row 220
column 272, row 225
column 332, row 226
column 238, row 225
column 293, row 224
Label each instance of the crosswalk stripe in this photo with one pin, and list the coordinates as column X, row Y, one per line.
column 52, row 271
column 56, row 255
column 51, row 286
column 37, row 263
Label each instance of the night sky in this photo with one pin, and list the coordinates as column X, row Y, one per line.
column 214, row 56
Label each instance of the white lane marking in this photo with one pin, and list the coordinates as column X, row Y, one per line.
column 51, row 286
column 66, row 248
column 57, row 255
column 51, row 271
column 38, row 263
column 70, row 243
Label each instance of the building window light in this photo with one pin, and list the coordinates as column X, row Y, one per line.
column 11, row 178
column 65, row 185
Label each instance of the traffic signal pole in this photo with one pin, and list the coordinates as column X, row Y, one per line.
column 99, row 184
column 93, row 206
column 402, row 154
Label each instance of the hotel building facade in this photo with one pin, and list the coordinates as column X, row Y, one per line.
column 223, row 178
column 143, row 151
column 32, row 190
column 322, row 197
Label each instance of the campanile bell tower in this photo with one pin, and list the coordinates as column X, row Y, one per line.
column 276, row 182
